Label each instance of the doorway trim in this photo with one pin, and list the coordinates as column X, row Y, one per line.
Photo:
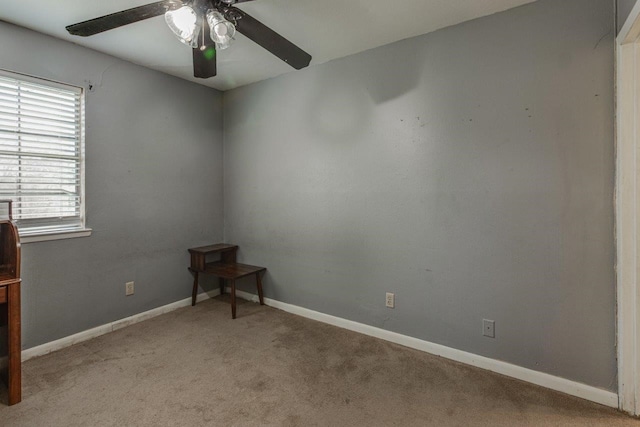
column 627, row 212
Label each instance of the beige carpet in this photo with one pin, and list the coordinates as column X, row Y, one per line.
column 196, row 366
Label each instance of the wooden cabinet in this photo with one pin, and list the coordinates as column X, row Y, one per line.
column 10, row 359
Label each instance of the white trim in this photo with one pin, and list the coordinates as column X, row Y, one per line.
column 32, row 238
column 56, row 345
column 563, row 385
column 629, row 32
column 628, row 212
column 552, row 382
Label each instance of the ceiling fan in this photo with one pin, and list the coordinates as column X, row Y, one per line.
column 205, row 25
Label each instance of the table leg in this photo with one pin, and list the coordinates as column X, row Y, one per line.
column 233, row 299
column 221, row 286
column 194, row 292
column 259, row 284
column 14, row 327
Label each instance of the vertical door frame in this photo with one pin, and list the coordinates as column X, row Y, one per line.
column 627, row 212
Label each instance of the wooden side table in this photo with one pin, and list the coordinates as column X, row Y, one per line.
column 226, row 268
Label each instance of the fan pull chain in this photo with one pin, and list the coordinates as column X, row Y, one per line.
column 203, row 46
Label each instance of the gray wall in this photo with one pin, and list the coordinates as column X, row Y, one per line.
column 153, row 186
column 624, row 8
column 470, row 171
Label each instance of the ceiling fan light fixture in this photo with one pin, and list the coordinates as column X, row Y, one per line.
column 184, row 24
column 222, row 31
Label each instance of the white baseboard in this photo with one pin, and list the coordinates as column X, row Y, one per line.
column 563, row 385
column 56, row 345
column 584, row 391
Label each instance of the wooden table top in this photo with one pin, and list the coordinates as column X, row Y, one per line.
column 230, row 270
column 218, row 247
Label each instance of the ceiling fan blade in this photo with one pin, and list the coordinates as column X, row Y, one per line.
column 204, row 56
column 270, row 40
column 204, row 62
column 124, row 17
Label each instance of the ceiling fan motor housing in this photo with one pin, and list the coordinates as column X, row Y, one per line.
column 202, row 6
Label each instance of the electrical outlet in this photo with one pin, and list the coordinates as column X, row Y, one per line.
column 489, row 328
column 129, row 288
column 391, row 300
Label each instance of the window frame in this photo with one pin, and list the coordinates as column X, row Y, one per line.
column 58, row 229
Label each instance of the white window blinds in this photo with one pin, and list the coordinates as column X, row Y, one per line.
column 41, row 153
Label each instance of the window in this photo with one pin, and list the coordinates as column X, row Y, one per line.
column 42, row 153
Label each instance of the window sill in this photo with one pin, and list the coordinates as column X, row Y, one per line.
column 59, row 235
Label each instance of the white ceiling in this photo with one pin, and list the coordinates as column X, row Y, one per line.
column 326, row 29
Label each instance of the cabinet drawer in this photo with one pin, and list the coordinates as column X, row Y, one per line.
column 3, row 294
